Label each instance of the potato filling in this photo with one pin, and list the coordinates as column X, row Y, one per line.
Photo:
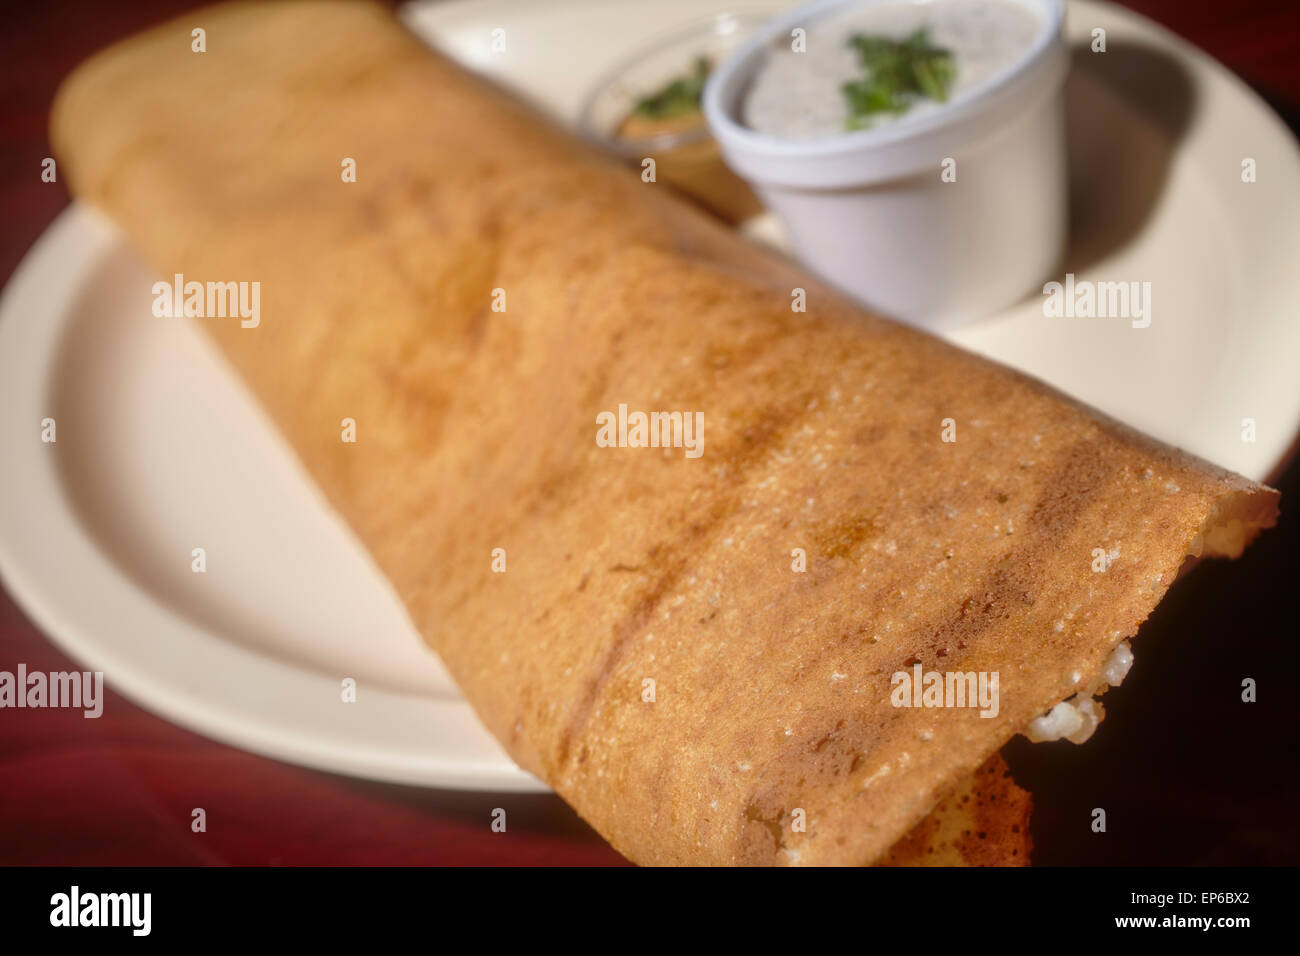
column 1077, row 718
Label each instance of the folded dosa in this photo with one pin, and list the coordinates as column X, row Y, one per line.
column 652, row 648
column 983, row 822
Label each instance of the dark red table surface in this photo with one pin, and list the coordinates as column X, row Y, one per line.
column 1194, row 780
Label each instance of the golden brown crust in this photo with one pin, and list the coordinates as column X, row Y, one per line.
column 984, row 822
column 476, row 431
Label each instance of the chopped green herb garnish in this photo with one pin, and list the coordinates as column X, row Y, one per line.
column 898, row 73
column 682, row 95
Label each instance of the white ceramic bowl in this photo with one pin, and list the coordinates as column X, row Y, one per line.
column 868, row 210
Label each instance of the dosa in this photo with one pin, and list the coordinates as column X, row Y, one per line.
column 695, row 652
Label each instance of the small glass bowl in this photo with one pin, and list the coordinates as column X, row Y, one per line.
column 685, row 154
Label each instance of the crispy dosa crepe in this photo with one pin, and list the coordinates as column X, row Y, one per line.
column 652, row 649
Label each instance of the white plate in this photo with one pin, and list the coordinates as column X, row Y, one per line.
column 160, row 450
